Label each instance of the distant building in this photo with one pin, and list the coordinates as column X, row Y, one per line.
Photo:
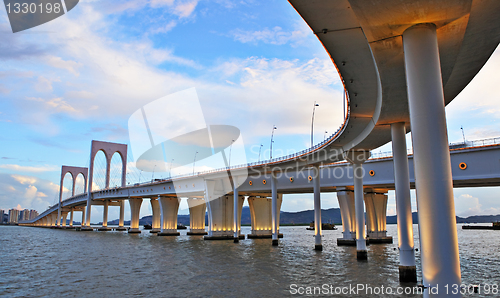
column 33, row 214
column 1, row 215
column 24, row 215
column 13, row 216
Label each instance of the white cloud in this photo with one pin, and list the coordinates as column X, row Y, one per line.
column 43, row 84
column 468, row 205
column 68, row 65
column 184, row 9
column 164, row 29
column 27, row 191
column 276, row 35
column 55, row 105
column 37, row 169
column 159, row 3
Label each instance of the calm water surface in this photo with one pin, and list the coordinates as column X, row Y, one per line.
column 36, row 262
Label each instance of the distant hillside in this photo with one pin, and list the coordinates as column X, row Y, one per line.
column 331, row 215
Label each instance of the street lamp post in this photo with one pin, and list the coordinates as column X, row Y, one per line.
column 260, row 149
column 324, row 137
column 312, row 122
column 153, row 176
column 272, row 135
column 170, row 169
column 194, row 161
column 230, row 148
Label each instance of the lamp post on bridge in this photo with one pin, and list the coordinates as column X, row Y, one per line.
column 194, row 161
column 260, row 149
column 230, row 148
column 170, row 169
column 312, row 122
column 324, row 136
column 153, row 176
column 272, row 136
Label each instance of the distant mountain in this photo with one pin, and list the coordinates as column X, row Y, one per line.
column 331, row 215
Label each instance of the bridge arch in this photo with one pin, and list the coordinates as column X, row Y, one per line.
column 109, row 149
column 74, row 172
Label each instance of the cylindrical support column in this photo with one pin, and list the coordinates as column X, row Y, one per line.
column 83, row 217
column 360, row 211
column 407, row 267
column 64, row 215
column 317, row 209
column 169, row 209
column 105, row 214
column 197, row 210
column 156, row 220
column 71, row 218
column 235, row 215
column 122, row 217
column 274, row 208
column 135, row 210
column 431, row 155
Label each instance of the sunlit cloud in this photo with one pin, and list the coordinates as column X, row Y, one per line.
column 32, row 169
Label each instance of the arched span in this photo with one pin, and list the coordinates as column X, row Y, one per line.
column 74, row 171
column 109, row 150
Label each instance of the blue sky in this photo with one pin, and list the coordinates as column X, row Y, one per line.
column 254, row 64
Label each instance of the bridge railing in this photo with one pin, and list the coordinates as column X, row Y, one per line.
column 453, row 146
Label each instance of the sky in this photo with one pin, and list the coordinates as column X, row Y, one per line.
column 253, row 64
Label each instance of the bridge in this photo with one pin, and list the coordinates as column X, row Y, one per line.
column 400, row 62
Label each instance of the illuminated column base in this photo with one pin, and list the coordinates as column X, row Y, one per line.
column 347, row 211
column 53, row 220
column 71, row 218
column 262, row 217
column 376, row 223
column 122, row 217
column 64, row 216
column 222, row 214
column 197, row 210
column 169, row 209
column 104, row 227
column 156, row 220
column 135, row 210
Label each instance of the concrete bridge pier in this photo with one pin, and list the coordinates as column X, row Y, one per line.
column 262, row 217
column 376, row 221
column 407, row 266
column 197, row 209
column 135, row 210
column 275, row 210
column 71, row 218
column 169, row 209
column 434, row 185
column 122, row 217
column 156, row 220
column 53, row 220
column 83, row 217
column 221, row 214
column 347, row 211
column 317, row 209
column 357, row 158
column 104, row 227
column 64, row 216
column 236, row 214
